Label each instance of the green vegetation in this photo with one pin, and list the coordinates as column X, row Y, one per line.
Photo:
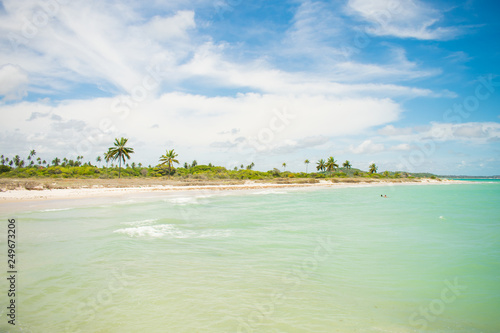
column 169, row 159
column 331, row 164
column 119, row 152
column 16, row 167
column 321, row 165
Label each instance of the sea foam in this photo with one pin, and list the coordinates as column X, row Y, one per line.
column 170, row 231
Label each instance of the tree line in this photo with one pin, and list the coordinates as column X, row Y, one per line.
column 120, row 152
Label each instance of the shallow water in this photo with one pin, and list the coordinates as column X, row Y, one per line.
column 425, row 259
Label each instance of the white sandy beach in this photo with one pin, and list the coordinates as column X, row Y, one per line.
column 75, row 193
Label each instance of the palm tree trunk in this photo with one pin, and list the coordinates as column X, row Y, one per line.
column 120, row 168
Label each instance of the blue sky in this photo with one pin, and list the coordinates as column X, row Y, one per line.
column 410, row 85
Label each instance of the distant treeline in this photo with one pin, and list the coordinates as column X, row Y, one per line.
column 195, row 172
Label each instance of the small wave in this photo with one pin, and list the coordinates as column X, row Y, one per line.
column 182, row 200
column 169, row 231
column 141, row 222
column 147, row 231
column 188, row 200
column 55, row 209
column 264, row 192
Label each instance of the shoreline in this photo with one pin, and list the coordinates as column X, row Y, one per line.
column 40, row 193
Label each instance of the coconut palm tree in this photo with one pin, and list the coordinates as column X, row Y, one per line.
column 373, row 168
column 106, row 158
column 17, row 160
column 168, row 159
column 307, row 164
column 321, row 165
column 331, row 164
column 32, row 153
column 2, row 159
column 56, row 161
column 98, row 160
column 119, row 152
column 347, row 164
column 284, row 166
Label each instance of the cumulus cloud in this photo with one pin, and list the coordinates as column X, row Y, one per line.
column 13, row 82
column 168, row 28
column 479, row 133
column 390, row 130
column 473, row 132
column 180, row 86
column 367, row 147
column 264, row 122
column 401, row 147
column 470, row 131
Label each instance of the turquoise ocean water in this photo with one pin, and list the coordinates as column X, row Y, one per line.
column 425, row 259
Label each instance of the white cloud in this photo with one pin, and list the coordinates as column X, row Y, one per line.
column 13, row 82
column 390, row 130
column 168, row 28
column 312, row 26
column 265, row 122
column 195, row 105
column 367, row 147
column 479, row 133
column 473, row 132
column 209, row 65
column 401, row 147
column 402, row 18
column 72, row 49
column 94, row 42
